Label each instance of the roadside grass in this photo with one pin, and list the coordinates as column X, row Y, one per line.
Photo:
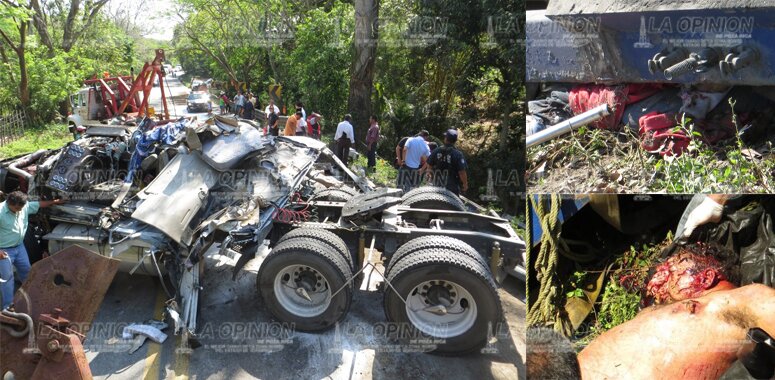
column 384, row 174
column 727, row 169
column 593, row 160
column 50, row 136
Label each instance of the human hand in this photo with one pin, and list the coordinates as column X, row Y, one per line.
column 709, row 211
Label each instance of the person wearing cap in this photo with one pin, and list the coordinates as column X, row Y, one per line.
column 14, row 216
column 372, row 138
column 448, row 165
column 414, row 158
column 344, row 137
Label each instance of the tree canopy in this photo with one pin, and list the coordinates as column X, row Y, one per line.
column 415, row 64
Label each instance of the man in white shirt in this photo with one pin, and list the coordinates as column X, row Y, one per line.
column 344, row 137
column 271, row 104
column 415, row 156
column 301, row 125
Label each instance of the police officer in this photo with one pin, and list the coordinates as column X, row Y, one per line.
column 448, row 165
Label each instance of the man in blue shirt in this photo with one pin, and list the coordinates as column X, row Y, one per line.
column 449, row 165
column 413, row 161
column 14, row 216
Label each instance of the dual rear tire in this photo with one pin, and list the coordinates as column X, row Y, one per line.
column 444, row 290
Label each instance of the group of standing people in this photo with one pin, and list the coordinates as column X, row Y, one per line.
column 242, row 105
column 345, row 138
column 299, row 124
column 418, row 158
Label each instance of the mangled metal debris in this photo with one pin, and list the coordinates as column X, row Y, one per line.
column 156, row 198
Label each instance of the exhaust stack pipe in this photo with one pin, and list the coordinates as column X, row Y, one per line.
column 566, row 126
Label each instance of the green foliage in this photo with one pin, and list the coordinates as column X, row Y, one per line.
column 384, row 173
column 49, row 136
column 618, row 306
column 701, row 170
column 621, row 299
column 576, row 285
column 320, row 60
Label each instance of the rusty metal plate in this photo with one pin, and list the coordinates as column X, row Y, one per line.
column 74, row 280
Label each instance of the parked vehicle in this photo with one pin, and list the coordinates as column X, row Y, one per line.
column 199, row 102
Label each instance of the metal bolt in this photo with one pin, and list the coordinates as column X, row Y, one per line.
column 53, row 345
column 684, row 67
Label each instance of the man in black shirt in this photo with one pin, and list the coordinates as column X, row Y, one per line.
column 271, row 122
column 448, row 165
column 247, row 110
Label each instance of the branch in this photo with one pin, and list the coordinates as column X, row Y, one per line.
column 9, row 42
column 89, row 19
column 7, row 65
column 68, row 28
column 38, row 20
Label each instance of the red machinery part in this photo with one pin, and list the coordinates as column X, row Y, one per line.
column 61, row 296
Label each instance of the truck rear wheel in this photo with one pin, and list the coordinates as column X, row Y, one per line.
column 324, row 237
column 432, row 197
column 450, row 298
column 434, row 242
column 298, row 281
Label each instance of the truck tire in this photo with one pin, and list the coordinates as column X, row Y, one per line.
column 434, row 242
column 347, row 189
column 319, row 270
column 332, row 195
column 324, row 237
column 444, row 277
column 426, row 190
column 434, row 198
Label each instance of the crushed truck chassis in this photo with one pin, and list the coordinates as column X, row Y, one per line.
column 157, row 198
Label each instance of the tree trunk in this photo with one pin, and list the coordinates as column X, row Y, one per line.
column 39, row 22
column 24, row 88
column 362, row 70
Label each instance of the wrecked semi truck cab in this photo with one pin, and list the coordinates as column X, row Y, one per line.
column 158, row 197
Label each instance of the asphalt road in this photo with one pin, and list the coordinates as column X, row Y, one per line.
column 176, row 93
column 240, row 340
